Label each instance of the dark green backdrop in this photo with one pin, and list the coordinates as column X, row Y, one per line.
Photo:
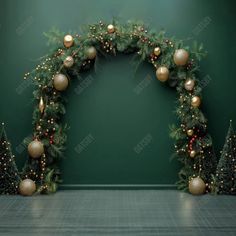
column 108, row 111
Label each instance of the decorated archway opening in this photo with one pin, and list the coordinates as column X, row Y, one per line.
column 174, row 64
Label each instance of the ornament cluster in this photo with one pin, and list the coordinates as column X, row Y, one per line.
column 180, row 58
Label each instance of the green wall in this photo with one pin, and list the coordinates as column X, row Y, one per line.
column 109, row 112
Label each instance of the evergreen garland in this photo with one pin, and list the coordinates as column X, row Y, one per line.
column 132, row 37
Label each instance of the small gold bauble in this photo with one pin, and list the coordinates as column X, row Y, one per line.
column 68, row 41
column 35, row 149
column 91, row 53
column 189, row 84
column 197, row 186
column 181, row 57
column 68, row 62
column 192, row 153
column 189, row 132
column 157, row 51
column 27, row 187
column 41, row 105
column 60, row 82
column 162, row 73
column 195, row 101
column 110, row 29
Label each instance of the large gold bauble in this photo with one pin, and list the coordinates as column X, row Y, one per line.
column 27, row 187
column 189, row 84
column 197, row 186
column 91, row 53
column 60, row 82
column 35, row 149
column 68, row 62
column 157, row 51
column 195, row 101
column 68, row 41
column 192, row 153
column 110, row 29
column 189, row 132
column 181, row 57
column 162, row 73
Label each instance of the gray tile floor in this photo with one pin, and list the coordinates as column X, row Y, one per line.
column 118, row 212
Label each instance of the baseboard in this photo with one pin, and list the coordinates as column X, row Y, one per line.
column 116, row 186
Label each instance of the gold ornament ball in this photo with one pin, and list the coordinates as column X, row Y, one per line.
column 68, row 41
column 68, row 62
column 91, row 53
column 181, row 57
column 35, row 149
column 189, row 132
column 189, row 84
column 192, row 153
column 197, row 186
column 110, row 29
column 162, row 73
column 60, row 82
column 157, row 51
column 195, row 101
column 27, row 187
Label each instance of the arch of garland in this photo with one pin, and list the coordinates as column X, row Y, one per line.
column 173, row 63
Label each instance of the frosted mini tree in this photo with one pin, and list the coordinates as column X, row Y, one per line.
column 9, row 176
column 226, row 169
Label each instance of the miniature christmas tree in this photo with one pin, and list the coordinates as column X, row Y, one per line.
column 9, row 175
column 226, row 169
